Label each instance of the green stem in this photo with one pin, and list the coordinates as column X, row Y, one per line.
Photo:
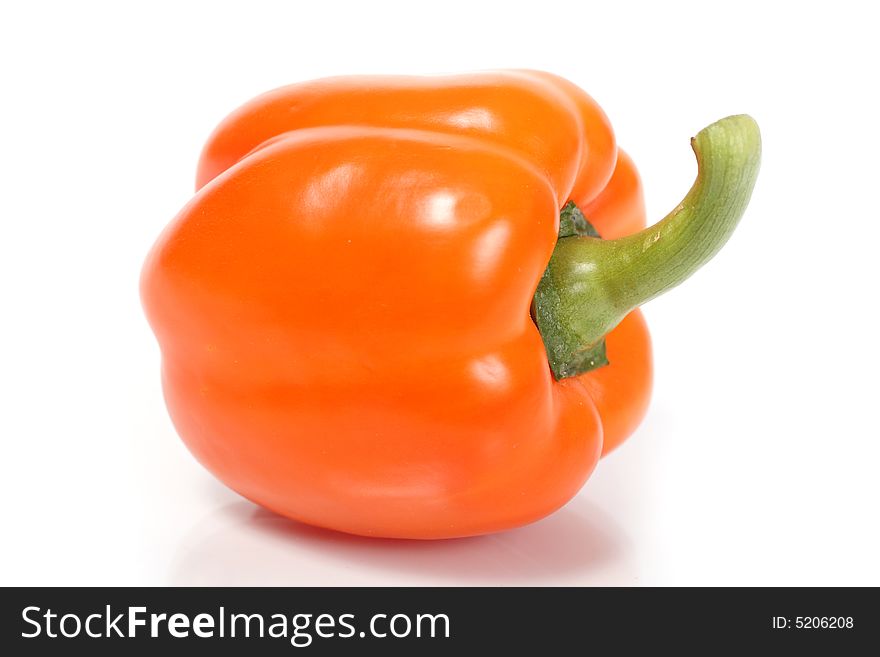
column 590, row 284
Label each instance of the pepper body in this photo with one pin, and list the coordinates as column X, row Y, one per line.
column 343, row 308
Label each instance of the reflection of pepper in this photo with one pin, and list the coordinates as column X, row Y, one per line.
column 344, row 307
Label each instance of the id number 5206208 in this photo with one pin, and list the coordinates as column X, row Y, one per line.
column 813, row 622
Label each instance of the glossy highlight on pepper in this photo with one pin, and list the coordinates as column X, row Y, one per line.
column 347, row 308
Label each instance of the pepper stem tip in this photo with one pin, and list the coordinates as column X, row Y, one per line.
column 590, row 284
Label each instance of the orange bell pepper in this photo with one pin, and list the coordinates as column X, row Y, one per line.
column 373, row 319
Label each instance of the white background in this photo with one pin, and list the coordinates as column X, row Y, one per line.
column 758, row 461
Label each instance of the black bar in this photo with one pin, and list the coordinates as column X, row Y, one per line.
column 550, row 620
